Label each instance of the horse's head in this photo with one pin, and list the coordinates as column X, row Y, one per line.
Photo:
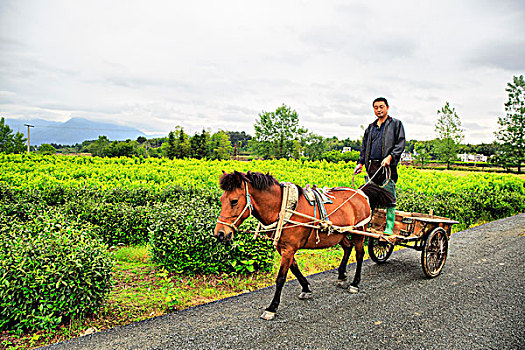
column 236, row 205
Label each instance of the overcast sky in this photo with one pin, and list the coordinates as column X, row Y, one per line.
column 153, row 65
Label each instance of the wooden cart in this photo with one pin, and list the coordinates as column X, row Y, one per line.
column 423, row 232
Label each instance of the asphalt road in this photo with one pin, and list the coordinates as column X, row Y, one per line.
column 476, row 303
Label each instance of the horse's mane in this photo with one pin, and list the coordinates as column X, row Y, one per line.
column 230, row 181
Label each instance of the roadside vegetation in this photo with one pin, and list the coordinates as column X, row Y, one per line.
column 153, row 218
column 141, row 291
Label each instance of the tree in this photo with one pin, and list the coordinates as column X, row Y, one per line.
column 314, row 146
column 236, row 137
column 171, row 151
column 97, row 147
column 511, row 132
column 46, row 148
column 333, row 143
column 335, row 156
column 221, row 145
column 119, row 149
column 236, row 149
column 10, row 143
column 19, row 143
column 410, row 145
column 487, row 149
column 275, row 133
column 422, row 152
column 450, row 134
column 182, row 143
column 199, row 144
column 354, row 144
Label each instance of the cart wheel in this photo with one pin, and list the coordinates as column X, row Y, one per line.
column 434, row 252
column 379, row 250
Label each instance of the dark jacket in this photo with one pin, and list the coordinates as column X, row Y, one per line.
column 393, row 141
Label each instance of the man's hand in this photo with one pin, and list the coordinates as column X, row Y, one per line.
column 386, row 161
column 358, row 169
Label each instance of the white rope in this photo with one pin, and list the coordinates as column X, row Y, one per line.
column 247, row 206
column 315, row 223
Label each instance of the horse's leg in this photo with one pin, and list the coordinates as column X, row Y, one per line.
column 358, row 241
column 346, row 244
column 286, row 261
column 306, row 293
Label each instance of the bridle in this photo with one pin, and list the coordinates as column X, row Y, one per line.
column 316, row 223
column 248, row 206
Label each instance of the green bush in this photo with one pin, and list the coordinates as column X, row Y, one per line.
column 114, row 223
column 468, row 207
column 182, row 241
column 335, row 156
column 50, row 271
column 22, row 211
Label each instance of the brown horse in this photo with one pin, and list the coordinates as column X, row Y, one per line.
column 260, row 195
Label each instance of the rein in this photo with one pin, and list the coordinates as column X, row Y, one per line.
column 315, row 223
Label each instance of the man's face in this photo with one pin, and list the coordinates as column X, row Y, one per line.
column 380, row 109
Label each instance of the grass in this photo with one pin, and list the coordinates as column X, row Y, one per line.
column 132, row 254
column 143, row 291
column 467, row 168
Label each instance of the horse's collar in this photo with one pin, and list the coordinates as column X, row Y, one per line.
column 289, row 199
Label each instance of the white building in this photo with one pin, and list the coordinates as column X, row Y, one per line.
column 472, row 157
column 407, row 157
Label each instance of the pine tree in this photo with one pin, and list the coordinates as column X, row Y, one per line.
column 171, row 152
column 450, row 134
column 511, row 133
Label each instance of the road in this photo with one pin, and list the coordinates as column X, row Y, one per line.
column 476, row 303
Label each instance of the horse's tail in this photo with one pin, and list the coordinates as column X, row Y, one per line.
column 378, row 197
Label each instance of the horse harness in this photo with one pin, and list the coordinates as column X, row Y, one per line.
column 290, row 198
column 248, row 206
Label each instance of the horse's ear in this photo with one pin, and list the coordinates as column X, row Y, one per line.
column 241, row 176
column 238, row 176
column 223, row 172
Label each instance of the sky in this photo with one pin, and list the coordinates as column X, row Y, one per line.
column 217, row 65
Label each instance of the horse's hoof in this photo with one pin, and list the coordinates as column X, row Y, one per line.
column 305, row 295
column 353, row 289
column 341, row 283
column 267, row 315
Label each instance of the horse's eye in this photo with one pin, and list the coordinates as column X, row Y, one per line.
column 234, row 202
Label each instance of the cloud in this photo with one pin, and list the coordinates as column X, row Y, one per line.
column 504, row 55
column 474, row 127
column 10, row 44
column 8, row 97
column 204, row 64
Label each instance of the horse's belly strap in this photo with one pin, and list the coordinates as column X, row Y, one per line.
column 288, row 205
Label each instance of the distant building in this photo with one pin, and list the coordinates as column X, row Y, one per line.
column 407, row 157
column 347, row 149
column 472, row 157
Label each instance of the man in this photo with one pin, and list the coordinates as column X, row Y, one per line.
column 381, row 149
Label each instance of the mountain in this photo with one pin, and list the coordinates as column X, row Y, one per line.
column 73, row 131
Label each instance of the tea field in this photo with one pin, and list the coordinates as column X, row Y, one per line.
column 60, row 216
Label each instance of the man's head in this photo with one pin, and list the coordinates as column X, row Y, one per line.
column 380, row 105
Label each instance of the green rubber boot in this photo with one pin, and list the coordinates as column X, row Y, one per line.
column 390, row 219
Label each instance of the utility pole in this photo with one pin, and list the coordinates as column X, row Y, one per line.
column 28, row 126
